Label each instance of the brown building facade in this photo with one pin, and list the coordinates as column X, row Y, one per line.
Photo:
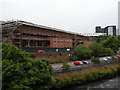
column 25, row 34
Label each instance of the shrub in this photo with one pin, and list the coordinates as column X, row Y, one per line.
column 65, row 65
column 83, row 52
column 97, row 49
column 86, row 76
column 113, row 58
column 11, row 52
column 111, row 42
column 95, row 60
column 74, row 58
column 32, row 55
column 107, row 52
column 19, row 71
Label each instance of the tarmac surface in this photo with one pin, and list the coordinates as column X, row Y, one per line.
column 57, row 68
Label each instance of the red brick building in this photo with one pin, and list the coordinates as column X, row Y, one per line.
column 26, row 34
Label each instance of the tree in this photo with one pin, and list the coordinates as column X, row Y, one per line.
column 100, row 38
column 107, row 52
column 97, row 49
column 19, row 71
column 83, row 52
column 119, row 40
column 111, row 42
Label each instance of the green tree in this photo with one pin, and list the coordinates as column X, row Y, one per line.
column 82, row 52
column 111, row 42
column 119, row 40
column 100, row 38
column 19, row 71
column 107, row 52
column 97, row 49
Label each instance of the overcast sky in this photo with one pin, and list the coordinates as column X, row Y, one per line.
column 80, row 16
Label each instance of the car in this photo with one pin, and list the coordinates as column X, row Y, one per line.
column 109, row 58
column 85, row 62
column 103, row 59
column 78, row 63
column 117, row 56
column 40, row 51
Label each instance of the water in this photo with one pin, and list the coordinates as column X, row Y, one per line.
column 110, row 84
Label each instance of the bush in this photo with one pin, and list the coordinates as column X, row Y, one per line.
column 32, row 55
column 97, row 49
column 83, row 52
column 95, row 60
column 65, row 66
column 111, row 42
column 19, row 71
column 108, row 52
column 11, row 52
column 86, row 76
column 113, row 58
column 75, row 58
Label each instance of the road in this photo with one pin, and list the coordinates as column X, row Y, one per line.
column 57, row 68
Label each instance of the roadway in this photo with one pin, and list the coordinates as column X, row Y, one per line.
column 57, row 68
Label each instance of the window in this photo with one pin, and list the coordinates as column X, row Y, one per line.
column 54, row 42
column 64, row 42
column 58, row 42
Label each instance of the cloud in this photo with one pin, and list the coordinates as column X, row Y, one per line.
column 72, row 15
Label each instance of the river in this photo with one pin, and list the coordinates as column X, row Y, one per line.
column 109, row 84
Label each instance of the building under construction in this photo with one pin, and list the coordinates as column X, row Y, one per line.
column 28, row 35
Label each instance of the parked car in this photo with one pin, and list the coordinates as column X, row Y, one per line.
column 85, row 62
column 109, row 58
column 40, row 51
column 103, row 59
column 117, row 56
column 78, row 63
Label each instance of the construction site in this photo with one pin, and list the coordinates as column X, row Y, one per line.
column 27, row 35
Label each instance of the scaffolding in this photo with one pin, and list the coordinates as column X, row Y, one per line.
column 13, row 33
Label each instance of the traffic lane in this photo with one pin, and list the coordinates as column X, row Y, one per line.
column 71, row 63
column 57, row 68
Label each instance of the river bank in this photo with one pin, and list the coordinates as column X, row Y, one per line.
column 86, row 76
column 108, row 84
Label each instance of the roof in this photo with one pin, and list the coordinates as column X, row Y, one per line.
column 93, row 34
column 40, row 26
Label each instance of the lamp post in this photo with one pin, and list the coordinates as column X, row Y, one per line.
column 70, row 55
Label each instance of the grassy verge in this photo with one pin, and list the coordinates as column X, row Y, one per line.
column 86, row 76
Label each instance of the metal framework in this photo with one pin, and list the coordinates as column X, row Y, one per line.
column 26, row 34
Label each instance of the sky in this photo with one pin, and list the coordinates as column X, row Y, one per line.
column 79, row 16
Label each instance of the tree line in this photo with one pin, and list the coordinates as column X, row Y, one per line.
column 104, row 46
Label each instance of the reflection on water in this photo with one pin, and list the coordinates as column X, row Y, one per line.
column 110, row 84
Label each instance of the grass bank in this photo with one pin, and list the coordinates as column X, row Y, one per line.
column 86, row 76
